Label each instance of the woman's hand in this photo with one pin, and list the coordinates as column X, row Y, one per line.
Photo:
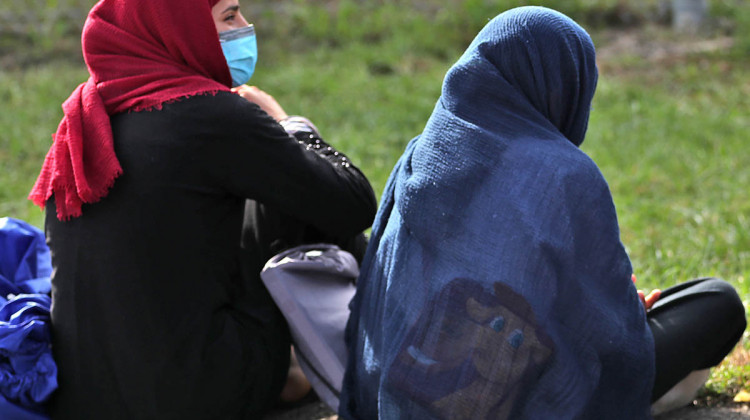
column 265, row 101
column 647, row 301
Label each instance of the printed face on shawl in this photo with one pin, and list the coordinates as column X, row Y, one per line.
column 470, row 354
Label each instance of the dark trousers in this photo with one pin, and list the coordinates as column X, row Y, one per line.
column 695, row 325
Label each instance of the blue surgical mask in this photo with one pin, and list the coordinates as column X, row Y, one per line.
column 241, row 51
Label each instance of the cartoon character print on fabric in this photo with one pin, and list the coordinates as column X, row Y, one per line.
column 471, row 353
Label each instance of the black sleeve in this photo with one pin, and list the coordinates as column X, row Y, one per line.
column 252, row 156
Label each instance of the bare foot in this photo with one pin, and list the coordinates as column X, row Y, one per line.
column 297, row 385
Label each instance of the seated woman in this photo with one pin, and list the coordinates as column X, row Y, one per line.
column 496, row 285
column 158, row 308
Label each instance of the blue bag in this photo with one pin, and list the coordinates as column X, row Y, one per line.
column 28, row 374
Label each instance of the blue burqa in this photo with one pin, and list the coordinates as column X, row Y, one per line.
column 495, row 284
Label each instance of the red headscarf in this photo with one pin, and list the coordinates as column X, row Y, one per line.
column 140, row 54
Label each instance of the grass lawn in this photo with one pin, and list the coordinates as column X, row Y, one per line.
column 668, row 130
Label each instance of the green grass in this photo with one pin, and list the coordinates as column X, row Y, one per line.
column 669, row 136
column 671, row 140
column 31, row 101
column 366, row 105
column 673, row 149
column 727, row 379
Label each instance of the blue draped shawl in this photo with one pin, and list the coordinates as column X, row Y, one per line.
column 495, row 284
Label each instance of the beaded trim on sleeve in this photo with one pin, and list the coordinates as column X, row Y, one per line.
column 308, row 135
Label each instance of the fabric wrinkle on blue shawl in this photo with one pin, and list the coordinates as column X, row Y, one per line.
column 28, row 373
column 495, row 284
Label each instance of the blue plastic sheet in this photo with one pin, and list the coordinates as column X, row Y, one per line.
column 25, row 265
column 28, row 374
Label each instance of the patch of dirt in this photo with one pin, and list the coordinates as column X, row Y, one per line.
column 740, row 412
column 735, row 364
column 312, row 411
column 653, row 45
column 650, row 45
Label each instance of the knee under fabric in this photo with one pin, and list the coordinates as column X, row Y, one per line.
column 685, row 306
column 695, row 325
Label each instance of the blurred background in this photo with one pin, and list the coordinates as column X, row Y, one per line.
column 669, row 128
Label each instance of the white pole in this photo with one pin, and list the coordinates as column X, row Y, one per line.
column 688, row 15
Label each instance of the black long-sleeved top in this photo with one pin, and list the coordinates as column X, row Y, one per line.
column 157, row 313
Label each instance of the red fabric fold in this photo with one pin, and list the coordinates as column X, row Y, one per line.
column 140, row 54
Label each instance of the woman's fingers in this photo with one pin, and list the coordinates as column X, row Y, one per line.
column 651, row 298
column 642, row 297
column 265, row 101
